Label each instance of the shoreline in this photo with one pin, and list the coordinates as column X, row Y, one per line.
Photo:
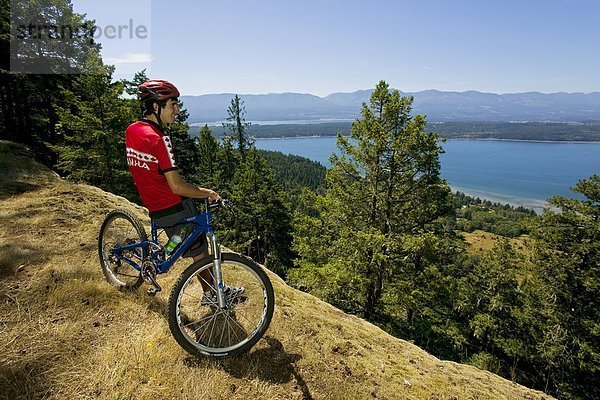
column 527, row 140
column 532, row 200
column 444, row 138
column 536, row 205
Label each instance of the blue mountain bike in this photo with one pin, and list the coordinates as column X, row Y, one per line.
column 228, row 319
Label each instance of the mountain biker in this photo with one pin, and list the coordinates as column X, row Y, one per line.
column 151, row 161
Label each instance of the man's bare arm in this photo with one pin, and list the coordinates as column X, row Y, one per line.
column 182, row 188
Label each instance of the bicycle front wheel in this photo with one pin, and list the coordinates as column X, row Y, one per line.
column 121, row 228
column 201, row 327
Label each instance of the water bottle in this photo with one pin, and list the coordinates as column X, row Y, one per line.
column 176, row 239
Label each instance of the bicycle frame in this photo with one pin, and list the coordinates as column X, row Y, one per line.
column 203, row 224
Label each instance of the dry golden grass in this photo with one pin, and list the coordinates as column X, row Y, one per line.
column 65, row 333
column 480, row 242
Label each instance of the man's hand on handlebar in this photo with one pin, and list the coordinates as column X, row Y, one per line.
column 213, row 196
column 222, row 201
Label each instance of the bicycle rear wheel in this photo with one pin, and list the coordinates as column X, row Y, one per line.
column 121, row 228
column 202, row 328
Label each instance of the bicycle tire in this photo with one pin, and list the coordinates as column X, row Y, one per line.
column 121, row 227
column 239, row 326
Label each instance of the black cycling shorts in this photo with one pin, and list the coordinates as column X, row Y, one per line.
column 170, row 223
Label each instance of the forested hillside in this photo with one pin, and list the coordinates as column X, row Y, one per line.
column 295, row 172
column 588, row 131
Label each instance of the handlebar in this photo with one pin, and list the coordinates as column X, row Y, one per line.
column 222, row 202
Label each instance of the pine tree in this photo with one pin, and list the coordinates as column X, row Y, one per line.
column 237, row 126
column 27, row 101
column 569, row 258
column 261, row 225
column 131, row 87
column 383, row 199
column 208, row 164
column 187, row 155
column 498, row 323
column 92, row 120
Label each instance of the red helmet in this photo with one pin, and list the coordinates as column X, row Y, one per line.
column 157, row 89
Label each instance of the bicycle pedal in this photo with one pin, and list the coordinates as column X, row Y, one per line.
column 152, row 291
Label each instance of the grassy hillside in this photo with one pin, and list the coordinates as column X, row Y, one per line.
column 67, row 334
column 480, row 242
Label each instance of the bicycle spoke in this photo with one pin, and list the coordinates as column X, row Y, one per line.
column 200, row 320
column 192, row 296
column 246, row 318
column 209, row 320
column 121, row 228
column 209, row 323
column 212, row 328
column 229, row 330
column 221, row 338
column 209, row 284
column 237, row 323
column 127, row 275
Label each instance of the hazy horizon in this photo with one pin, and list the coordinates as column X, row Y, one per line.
column 402, row 91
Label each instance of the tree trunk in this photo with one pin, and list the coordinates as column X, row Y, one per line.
column 374, row 289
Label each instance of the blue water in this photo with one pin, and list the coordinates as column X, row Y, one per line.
column 518, row 173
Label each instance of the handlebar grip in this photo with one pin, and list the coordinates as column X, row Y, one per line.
column 221, row 203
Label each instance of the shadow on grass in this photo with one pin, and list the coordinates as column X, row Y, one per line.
column 156, row 304
column 14, row 255
column 270, row 364
column 24, row 381
column 9, row 189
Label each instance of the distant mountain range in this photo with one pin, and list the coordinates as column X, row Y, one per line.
column 437, row 105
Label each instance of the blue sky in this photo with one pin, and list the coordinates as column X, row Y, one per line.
column 328, row 46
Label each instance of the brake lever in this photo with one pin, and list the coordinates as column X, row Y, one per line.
column 225, row 203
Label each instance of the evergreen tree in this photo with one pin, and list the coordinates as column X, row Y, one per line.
column 382, row 208
column 501, row 323
column 60, row 41
column 131, row 87
column 27, row 101
column 261, row 225
column 313, row 236
column 569, row 256
column 237, row 126
column 92, row 120
column 187, row 154
column 534, row 318
column 208, row 163
column 295, row 172
column 229, row 161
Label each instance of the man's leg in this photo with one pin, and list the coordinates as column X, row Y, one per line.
column 205, row 277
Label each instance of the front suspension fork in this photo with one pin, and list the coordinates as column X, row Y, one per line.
column 216, row 253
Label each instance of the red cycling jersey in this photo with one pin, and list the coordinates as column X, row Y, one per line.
column 149, row 156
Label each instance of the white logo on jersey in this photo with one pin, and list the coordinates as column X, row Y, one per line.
column 169, row 146
column 132, row 162
column 143, row 157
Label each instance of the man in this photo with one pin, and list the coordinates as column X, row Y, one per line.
column 152, row 165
